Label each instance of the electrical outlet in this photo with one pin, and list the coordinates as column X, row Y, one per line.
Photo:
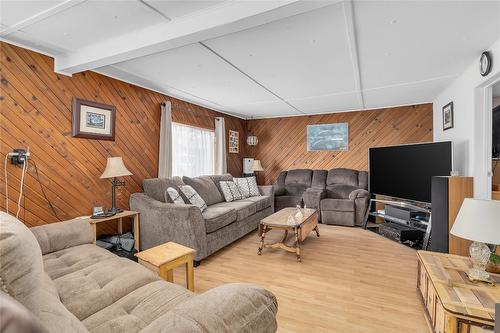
column 18, row 156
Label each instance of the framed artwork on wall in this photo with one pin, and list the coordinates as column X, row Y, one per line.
column 233, row 142
column 328, row 137
column 448, row 116
column 93, row 120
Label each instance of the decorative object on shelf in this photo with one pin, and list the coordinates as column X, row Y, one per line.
column 328, row 137
column 93, row 120
column 477, row 221
column 233, row 142
column 115, row 168
column 448, row 116
column 485, row 63
column 493, row 265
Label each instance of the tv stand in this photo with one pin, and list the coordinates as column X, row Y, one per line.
column 418, row 219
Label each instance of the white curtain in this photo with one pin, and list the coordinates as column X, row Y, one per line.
column 220, row 146
column 165, row 156
column 192, row 151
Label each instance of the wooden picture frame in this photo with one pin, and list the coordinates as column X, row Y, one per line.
column 233, row 142
column 93, row 120
column 448, row 116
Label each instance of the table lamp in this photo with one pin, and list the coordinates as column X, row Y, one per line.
column 115, row 168
column 478, row 221
column 257, row 166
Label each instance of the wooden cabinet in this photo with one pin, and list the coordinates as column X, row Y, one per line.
column 451, row 303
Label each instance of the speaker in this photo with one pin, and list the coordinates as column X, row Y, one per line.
column 439, row 217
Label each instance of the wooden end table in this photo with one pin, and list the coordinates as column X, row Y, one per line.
column 452, row 303
column 301, row 228
column 119, row 217
column 162, row 259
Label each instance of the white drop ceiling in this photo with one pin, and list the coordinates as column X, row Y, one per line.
column 263, row 58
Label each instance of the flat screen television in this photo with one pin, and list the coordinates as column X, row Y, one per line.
column 406, row 171
column 496, row 132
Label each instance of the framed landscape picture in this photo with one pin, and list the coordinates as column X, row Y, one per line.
column 233, row 142
column 93, row 120
column 448, row 116
column 328, row 137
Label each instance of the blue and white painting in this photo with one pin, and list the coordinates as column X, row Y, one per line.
column 328, row 137
column 96, row 120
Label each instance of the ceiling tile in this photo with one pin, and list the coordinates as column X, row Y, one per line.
column 328, row 103
column 93, row 21
column 300, row 56
column 406, row 94
column 265, row 109
column 22, row 38
column 174, row 9
column 406, row 41
column 197, row 71
column 12, row 12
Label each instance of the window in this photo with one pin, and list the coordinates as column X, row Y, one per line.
column 192, row 151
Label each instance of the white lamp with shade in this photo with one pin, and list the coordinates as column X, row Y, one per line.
column 257, row 166
column 478, row 221
column 115, row 168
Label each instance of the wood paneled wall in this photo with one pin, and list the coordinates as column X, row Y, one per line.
column 283, row 141
column 35, row 112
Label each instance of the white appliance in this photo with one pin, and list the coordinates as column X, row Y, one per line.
column 247, row 165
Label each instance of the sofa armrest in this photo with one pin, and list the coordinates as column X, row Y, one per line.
column 57, row 236
column 359, row 193
column 268, row 190
column 164, row 222
column 235, row 307
column 312, row 197
column 279, row 191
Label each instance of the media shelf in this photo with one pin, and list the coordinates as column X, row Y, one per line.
column 413, row 231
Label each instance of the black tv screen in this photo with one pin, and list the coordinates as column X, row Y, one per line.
column 406, row 171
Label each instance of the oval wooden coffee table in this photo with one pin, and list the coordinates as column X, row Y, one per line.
column 279, row 221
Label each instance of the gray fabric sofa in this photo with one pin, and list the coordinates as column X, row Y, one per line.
column 344, row 199
column 71, row 285
column 292, row 184
column 219, row 225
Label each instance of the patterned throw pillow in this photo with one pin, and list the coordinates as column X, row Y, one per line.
column 230, row 190
column 174, row 196
column 247, row 186
column 193, row 197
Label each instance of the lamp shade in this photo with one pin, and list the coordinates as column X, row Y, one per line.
column 115, row 168
column 257, row 166
column 252, row 140
column 478, row 220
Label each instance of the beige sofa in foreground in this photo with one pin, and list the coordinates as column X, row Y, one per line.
column 72, row 285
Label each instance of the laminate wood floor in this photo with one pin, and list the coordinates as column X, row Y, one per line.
column 350, row 280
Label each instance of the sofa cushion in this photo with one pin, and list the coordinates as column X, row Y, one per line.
column 138, row 309
column 340, row 205
column 319, row 178
column 21, row 262
column 221, row 178
column 193, row 197
column 247, row 186
column 243, row 208
column 156, row 187
column 339, row 191
column 218, row 217
column 261, row 202
column 172, row 195
column 206, row 188
column 286, row 201
column 17, row 318
column 230, row 190
column 295, row 189
column 60, row 263
column 299, row 176
column 93, row 288
column 342, row 176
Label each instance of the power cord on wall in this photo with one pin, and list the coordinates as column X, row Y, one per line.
column 54, row 212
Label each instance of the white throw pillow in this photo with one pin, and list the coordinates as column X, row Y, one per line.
column 174, row 196
column 230, row 191
column 193, row 197
column 247, row 186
